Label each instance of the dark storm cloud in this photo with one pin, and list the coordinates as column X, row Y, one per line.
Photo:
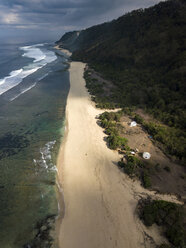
column 60, row 15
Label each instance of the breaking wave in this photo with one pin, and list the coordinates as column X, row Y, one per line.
column 45, row 160
column 25, row 89
column 40, row 59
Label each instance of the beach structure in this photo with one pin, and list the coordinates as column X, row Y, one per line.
column 132, row 153
column 146, row 155
column 133, row 124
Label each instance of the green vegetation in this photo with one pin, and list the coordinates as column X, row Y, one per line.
column 146, row 179
column 173, row 140
column 115, row 141
column 133, row 166
column 112, row 116
column 143, row 54
column 166, row 214
column 168, row 136
column 109, row 122
column 129, row 168
column 95, row 88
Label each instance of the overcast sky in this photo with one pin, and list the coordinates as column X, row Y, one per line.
column 49, row 19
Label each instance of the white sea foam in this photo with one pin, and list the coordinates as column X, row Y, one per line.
column 23, row 91
column 37, row 54
column 33, row 52
column 15, row 78
column 15, row 73
column 41, row 58
column 11, row 75
column 43, row 76
column 46, row 159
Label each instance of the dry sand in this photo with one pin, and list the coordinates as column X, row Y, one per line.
column 100, row 200
column 65, row 51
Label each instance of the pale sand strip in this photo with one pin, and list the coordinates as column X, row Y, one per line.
column 100, row 200
column 65, row 51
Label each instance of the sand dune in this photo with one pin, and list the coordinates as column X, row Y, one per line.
column 100, row 200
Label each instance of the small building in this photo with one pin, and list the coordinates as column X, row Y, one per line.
column 146, row 155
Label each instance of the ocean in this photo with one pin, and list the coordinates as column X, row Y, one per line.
column 34, row 83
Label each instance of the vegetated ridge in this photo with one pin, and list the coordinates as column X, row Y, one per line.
column 143, row 54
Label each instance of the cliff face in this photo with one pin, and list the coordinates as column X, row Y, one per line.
column 145, row 26
column 69, row 40
column 83, row 39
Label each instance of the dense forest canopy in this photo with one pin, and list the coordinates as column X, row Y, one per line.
column 143, row 53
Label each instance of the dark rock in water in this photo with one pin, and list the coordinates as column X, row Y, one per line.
column 43, row 237
column 11, row 144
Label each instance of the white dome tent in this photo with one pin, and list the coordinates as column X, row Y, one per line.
column 146, row 155
column 133, row 124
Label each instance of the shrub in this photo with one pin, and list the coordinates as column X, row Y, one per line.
column 129, row 168
column 169, row 215
column 111, row 131
column 138, row 119
column 135, row 160
column 175, row 234
column 112, row 116
column 115, row 141
column 121, row 164
column 146, row 180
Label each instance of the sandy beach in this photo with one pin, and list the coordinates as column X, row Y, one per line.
column 65, row 51
column 100, row 201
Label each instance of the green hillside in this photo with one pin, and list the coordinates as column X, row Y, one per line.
column 143, row 53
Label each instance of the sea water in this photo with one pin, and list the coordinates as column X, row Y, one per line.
column 34, row 83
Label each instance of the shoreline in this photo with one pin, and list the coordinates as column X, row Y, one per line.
column 65, row 51
column 59, row 188
column 100, row 200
